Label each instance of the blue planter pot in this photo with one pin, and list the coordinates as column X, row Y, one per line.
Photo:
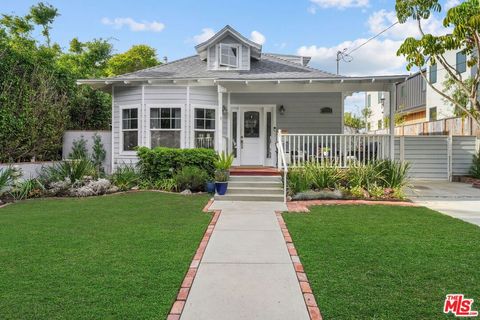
column 221, row 187
column 210, row 187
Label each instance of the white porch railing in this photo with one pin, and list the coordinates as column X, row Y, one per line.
column 282, row 164
column 340, row 150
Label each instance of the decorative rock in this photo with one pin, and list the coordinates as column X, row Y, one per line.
column 186, row 192
column 316, row 195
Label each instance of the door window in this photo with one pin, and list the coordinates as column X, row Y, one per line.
column 251, row 124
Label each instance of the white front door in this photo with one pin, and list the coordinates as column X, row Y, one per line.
column 251, row 133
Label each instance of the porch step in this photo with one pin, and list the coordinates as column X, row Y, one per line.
column 253, row 188
column 255, row 178
column 254, row 172
column 246, row 191
column 250, row 197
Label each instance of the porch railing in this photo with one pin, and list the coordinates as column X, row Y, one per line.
column 282, row 164
column 341, row 150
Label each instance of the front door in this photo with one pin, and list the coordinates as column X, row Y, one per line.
column 251, row 129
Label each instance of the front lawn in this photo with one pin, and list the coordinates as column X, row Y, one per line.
column 122, row 256
column 381, row 262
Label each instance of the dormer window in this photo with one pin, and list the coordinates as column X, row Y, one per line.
column 229, row 55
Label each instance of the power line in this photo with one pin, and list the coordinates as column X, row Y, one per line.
column 375, row 36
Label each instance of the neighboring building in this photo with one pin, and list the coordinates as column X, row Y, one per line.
column 437, row 108
column 378, row 103
column 411, row 99
column 232, row 97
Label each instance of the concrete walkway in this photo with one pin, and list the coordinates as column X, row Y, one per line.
column 246, row 271
column 458, row 200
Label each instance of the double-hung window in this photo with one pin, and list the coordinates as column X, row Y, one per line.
column 165, row 127
column 229, row 55
column 461, row 62
column 204, row 128
column 130, row 128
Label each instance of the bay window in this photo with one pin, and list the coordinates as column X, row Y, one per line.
column 130, row 129
column 204, row 128
column 165, row 127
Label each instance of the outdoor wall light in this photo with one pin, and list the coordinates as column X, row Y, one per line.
column 224, row 109
column 282, row 110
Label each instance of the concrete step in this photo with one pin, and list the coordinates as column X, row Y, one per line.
column 255, row 184
column 255, row 178
column 250, row 197
column 245, row 190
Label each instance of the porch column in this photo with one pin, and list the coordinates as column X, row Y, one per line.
column 392, row 105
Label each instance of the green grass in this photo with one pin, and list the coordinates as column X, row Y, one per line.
column 113, row 257
column 379, row 262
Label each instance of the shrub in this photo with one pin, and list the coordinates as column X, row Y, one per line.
column 161, row 163
column 395, row 173
column 79, row 149
column 376, row 191
column 98, row 154
column 323, row 176
column 221, row 176
column 6, row 178
column 364, row 176
column 73, row 170
column 125, row 177
column 27, row 189
column 298, row 181
column 475, row 168
column 166, row 185
column 192, row 178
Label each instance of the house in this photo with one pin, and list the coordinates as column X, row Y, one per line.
column 233, row 97
column 410, row 103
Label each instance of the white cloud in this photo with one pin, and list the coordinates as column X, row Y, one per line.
column 355, row 103
column 377, row 57
column 135, row 26
column 206, row 34
column 338, row 4
column 451, row 3
column 257, row 37
column 382, row 19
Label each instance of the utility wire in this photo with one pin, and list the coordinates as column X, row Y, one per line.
column 375, row 36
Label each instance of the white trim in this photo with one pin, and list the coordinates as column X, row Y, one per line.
column 113, row 131
column 192, row 119
column 122, row 152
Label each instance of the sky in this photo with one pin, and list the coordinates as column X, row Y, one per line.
column 316, row 28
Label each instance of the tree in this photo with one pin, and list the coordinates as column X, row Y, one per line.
column 136, row 58
column 43, row 15
column 353, row 121
column 464, row 20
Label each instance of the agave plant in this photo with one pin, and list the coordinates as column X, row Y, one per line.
column 73, row 170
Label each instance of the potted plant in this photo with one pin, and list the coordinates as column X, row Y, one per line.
column 222, row 166
column 210, row 185
column 221, row 181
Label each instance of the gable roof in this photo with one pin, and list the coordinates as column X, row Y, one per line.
column 227, row 30
column 268, row 67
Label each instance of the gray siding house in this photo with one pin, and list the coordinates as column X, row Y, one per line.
column 232, row 97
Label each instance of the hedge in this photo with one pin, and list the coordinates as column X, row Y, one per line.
column 162, row 163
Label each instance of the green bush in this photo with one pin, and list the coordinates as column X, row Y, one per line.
column 475, row 168
column 323, row 176
column 162, row 163
column 125, row 177
column 298, row 181
column 395, row 173
column 27, row 189
column 73, row 170
column 192, row 178
column 364, row 176
column 6, row 178
column 79, row 149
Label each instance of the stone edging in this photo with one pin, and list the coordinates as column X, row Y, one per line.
column 182, row 295
column 302, row 206
column 310, row 302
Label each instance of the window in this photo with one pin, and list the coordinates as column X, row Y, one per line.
column 461, row 63
column 369, row 100
column 402, row 91
column 165, row 127
column 204, row 128
column 269, row 134
column 229, row 55
column 379, row 124
column 130, row 129
column 380, row 96
column 251, row 124
column 433, row 114
column 234, row 133
column 424, row 84
column 433, row 73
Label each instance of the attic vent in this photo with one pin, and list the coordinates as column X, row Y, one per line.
column 326, row 110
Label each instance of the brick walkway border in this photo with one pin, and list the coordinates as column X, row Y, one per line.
column 302, row 206
column 313, row 310
column 182, row 295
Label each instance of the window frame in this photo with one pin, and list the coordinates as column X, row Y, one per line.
column 194, row 124
column 122, row 129
column 433, row 70
column 228, row 65
column 430, row 113
column 458, row 64
column 181, row 129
